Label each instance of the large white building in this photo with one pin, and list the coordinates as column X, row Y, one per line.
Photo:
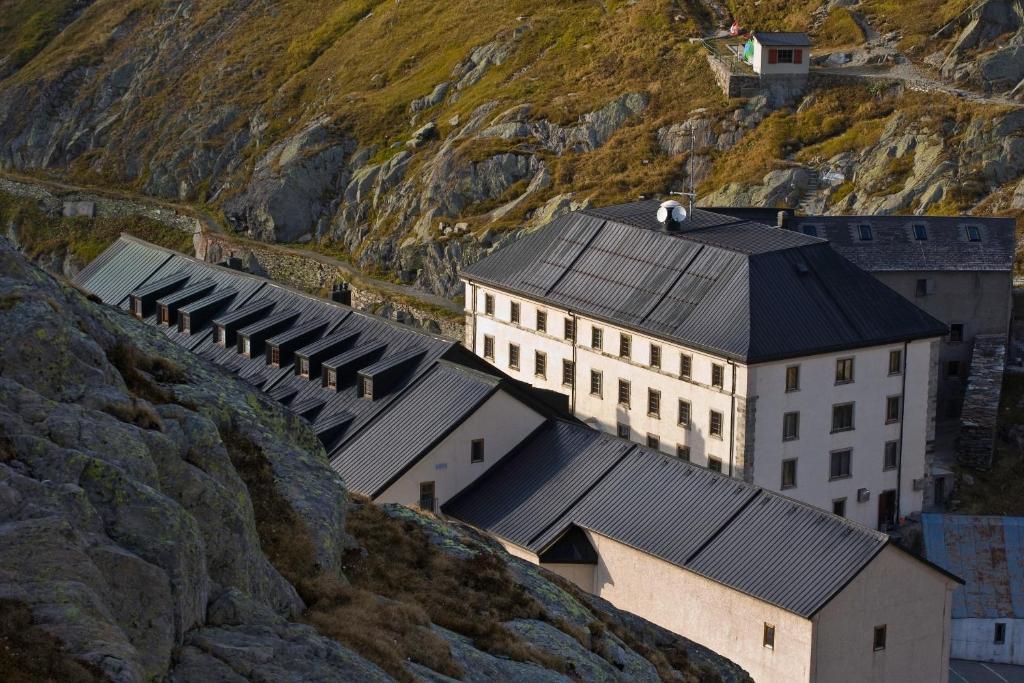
column 754, row 351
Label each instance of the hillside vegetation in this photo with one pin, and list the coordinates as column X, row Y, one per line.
column 414, row 136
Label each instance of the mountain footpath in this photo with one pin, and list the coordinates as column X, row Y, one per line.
column 162, row 520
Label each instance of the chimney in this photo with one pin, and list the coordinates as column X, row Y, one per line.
column 671, row 215
column 340, row 293
column 782, row 219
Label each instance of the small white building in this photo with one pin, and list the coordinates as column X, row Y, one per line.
column 988, row 609
column 754, row 351
column 789, row 592
column 778, row 54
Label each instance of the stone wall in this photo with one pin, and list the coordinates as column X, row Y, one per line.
column 733, row 84
column 980, row 414
column 310, row 275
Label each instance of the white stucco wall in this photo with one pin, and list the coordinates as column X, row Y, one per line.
column 911, row 600
column 501, row 420
column 868, row 392
column 974, row 639
column 760, row 396
column 761, row 65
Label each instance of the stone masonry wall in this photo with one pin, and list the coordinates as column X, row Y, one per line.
column 980, row 413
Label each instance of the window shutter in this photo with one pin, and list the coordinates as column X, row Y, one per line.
column 798, row 56
column 773, row 56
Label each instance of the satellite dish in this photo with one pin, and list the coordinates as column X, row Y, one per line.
column 671, row 210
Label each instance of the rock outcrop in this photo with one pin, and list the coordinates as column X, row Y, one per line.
column 165, row 521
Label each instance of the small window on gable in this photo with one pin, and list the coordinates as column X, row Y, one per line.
column 769, row 636
column 811, row 230
column 427, row 496
column 879, row 639
column 864, row 232
column 920, row 232
column 476, row 450
column 973, row 233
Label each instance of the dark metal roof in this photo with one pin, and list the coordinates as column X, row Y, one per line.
column 736, row 288
column 782, row 38
column 427, row 412
column 566, row 475
column 893, row 247
column 420, row 409
column 988, row 552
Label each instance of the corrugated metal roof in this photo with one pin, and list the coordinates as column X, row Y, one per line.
column 439, row 401
column 738, row 289
column 782, row 38
column 566, row 475
column 988, row 552
column 893, row 247
column 528, row 491
column 343, row 414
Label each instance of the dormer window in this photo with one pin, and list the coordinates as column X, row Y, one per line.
column 331, row 379
column 137, row 307
column 244, row 346
column 920, row 232
column 184, row 323
column 864, row 231
column 165, row 315
column 218, row 335
column 973, row 233
column 367, row 387
column 275, row 356
column 304, row 367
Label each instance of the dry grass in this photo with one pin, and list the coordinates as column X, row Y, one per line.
column 143, row 374
column 28, row 654
column 839, row 30
column 138, row 413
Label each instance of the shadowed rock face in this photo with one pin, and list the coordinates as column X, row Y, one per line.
column 131, row 529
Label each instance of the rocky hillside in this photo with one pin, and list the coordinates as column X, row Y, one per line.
column 413, row 136
column 161, row 520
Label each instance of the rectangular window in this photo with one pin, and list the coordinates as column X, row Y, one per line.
column 842, row 417
column 513, row 356
column 653, row 403
column 844, row 370
column 891, row 457
column 685, row 366
column 839, row 507
column 920, row 232
column 839, row 464
column 595, row 383
column 596, row 338
column 973, row 233
column 304, row 367
column 542, row 321
column 184, row 324
column 714, row 463
column 791, row 426
column 956, row 332
column 717, row 375
column 245, row 345
column 622, row 430
column 220, row 335
column 488, row 347
column 715, row 424
column 514, row 312
column 652, row 441
column 623, row 392
column 427, row 496
column 999, row 637
column 655, row 356
column 332, row 379
column 684, row 413
column 568, row 372
column 879, row 639
column 275, row 356
column 892, row 409
column 570, row 330
column 864, row 232
column 683, row 452
column 789, row 473
column 366, row 387
column 921, row 289
column 793, row 378
column 625, row 345
column 489, row 304
column 769, row 636
column 895, row 362
column 476, row 450
column 540, row 364
column 784, row 56
column 165, row 315
column 137, row 307
column 953, row 368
